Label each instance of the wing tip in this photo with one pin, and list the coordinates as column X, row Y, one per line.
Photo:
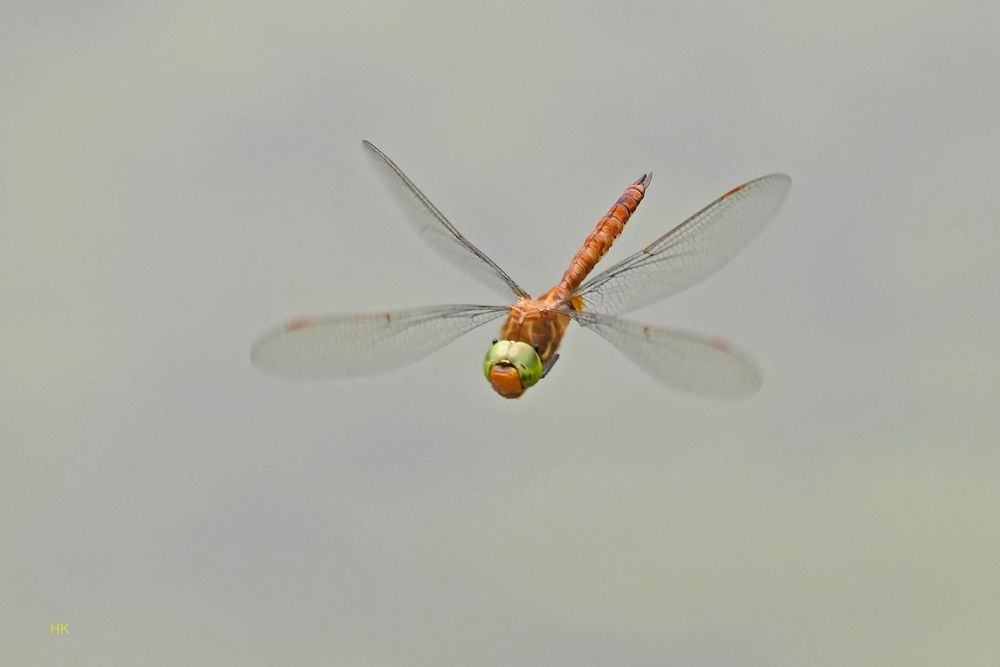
column 372, row 148
column 259, row 356
column 779, row 177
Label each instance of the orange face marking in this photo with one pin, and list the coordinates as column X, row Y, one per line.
column 298, row 325
column 506, row 381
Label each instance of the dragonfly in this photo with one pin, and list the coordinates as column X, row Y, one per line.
column 351, row 345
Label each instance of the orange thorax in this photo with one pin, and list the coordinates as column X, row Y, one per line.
column 533, row 321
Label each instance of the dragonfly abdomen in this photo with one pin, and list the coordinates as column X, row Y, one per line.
column 607, row 231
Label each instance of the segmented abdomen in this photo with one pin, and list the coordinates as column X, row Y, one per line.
column 604, row 235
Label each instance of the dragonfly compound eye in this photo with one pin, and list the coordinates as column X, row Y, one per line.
column 506, row 356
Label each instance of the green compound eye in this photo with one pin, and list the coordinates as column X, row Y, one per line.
column 517, row 354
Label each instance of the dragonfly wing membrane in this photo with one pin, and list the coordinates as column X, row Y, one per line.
column 690, row 252
column 436, row 230
column 685, row 361
column 341, row 346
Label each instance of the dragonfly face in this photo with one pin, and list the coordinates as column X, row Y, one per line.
column 341, row 346
column 511, row 367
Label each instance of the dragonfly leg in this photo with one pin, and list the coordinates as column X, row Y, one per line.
column 552, row 362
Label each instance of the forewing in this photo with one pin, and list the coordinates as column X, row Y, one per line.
column 684, row 361
column 690, row 252
column 436, row 230
column 349, row 345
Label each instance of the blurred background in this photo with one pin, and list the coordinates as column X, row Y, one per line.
column 177, row 178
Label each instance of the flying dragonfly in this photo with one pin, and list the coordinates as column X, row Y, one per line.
column 342, row 346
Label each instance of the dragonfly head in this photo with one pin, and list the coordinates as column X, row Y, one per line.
column 512, row 367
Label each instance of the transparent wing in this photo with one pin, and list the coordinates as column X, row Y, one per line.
column 684, row 361
column 349, row 345
column 436, row 230
column 690, row 252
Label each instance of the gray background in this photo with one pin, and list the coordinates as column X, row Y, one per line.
column 175, row 178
